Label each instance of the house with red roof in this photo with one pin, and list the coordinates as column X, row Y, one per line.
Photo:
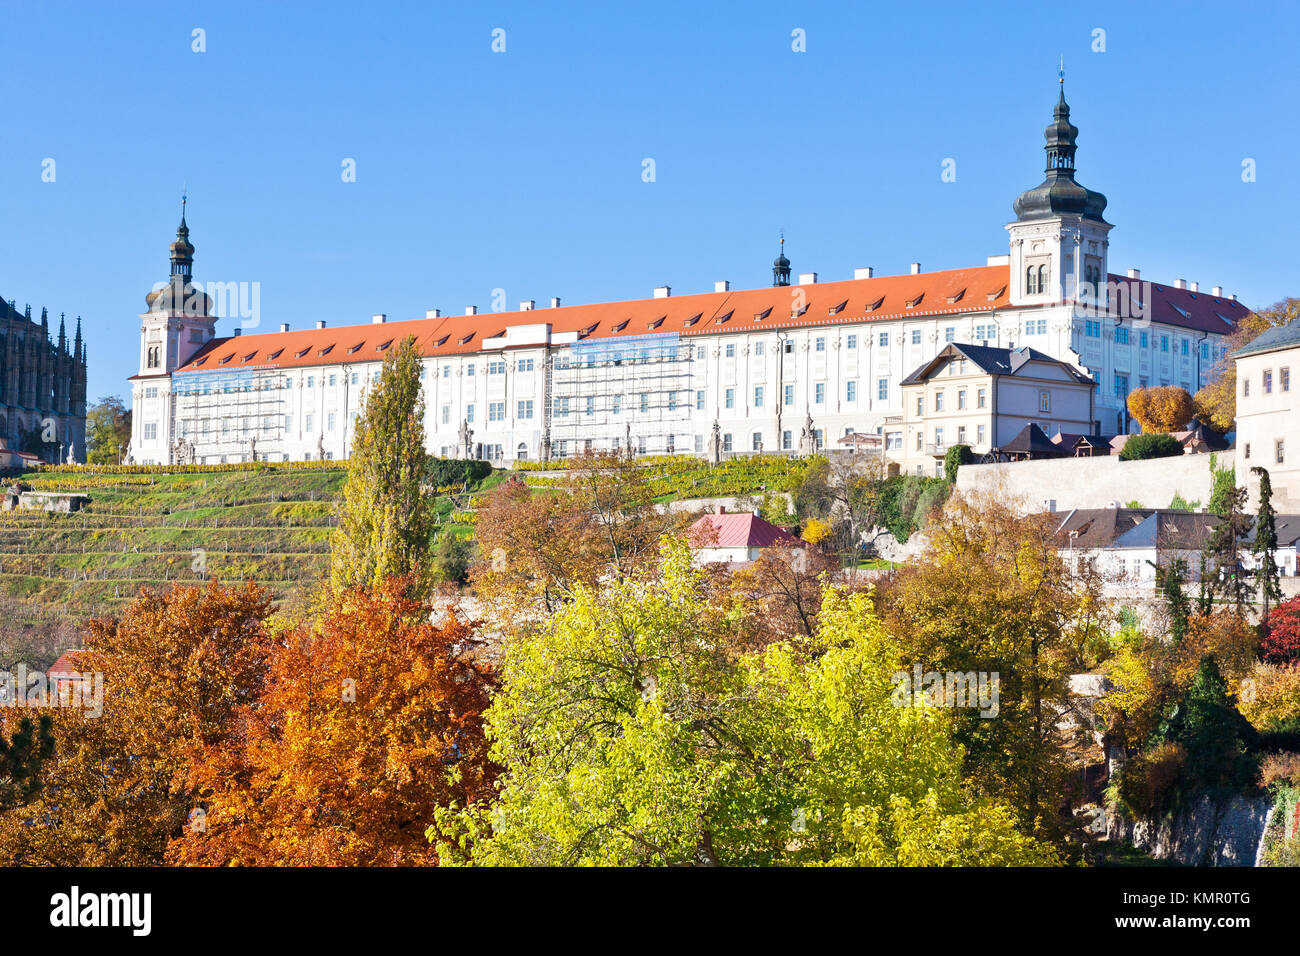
column 735, row 537
column 787, row 367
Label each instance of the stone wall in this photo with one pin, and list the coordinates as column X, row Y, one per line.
column 1064, row 483
column 1210, row 833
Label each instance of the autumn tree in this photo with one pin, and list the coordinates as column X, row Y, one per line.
column 779, row 596
column 1216, row 402
column 369, row 720
column 1282, row 642
column 992, row 594
column 108, row 431
column 627, row 739
column 176, row 666
column 535, row 546
column 386, row 520
column 1161, row 408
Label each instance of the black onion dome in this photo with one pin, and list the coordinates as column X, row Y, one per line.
column 1059, row 194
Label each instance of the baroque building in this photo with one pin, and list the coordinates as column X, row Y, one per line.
column 42, row 386
column 791, row 367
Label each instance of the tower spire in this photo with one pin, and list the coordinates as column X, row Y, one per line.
column 781, row 266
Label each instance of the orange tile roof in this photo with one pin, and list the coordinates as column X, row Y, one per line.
column 954, row 291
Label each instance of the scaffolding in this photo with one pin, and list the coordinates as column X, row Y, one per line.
column 605, row 394
column 220, row 417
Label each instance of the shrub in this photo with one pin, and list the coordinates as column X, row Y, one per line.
column 1155, row 445
column 1149, row 781
column 957, row 456
column 455, row 472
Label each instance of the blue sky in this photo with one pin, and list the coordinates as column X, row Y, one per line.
column 523, row 170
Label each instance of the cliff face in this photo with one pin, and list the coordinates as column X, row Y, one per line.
column 1211, row 832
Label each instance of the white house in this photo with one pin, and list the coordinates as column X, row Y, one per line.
column 1268, row 414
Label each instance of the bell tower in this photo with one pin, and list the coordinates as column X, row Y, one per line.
column 1059, row 238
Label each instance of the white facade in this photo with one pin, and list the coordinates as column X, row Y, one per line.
column 661, row 374
column 1268, row 416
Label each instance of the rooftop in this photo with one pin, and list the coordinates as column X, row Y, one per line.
column 949, row 292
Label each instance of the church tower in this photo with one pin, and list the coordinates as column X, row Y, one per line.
column 1058, row 240
column 178, row 323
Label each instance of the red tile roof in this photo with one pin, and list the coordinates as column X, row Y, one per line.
column 739, row 530
column 65, row 666
column 951, row 292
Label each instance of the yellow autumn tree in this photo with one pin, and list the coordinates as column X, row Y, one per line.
column 1162, row 408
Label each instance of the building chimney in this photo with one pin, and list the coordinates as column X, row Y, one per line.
column 235, row 333
column 379, row 318
column 1196, row 287
column 1135, row 273
column 722, row 509
column 433, row 313
column 807, row 278
column 663, row 291
column 555, row 302
column 320, row 323
column 284, row 326
column 862, row 273
column 722, row 285
column 1180, row 283
column 916, row 268
column 1233, row 297
column 527, row 305
column 471, row 310
column 1218, row 290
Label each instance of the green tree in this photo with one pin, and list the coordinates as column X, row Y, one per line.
column 956, row 456
column 386, row 521
column 1217, row 738
column 1265, row 546
column 629, row 737
column 1169, row 582
column 452, row 556
column 108, row 431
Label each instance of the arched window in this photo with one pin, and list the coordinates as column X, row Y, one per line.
column 1031, row 281
column 1042, row 278
column 522, row 452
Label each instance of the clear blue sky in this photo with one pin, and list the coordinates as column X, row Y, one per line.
column 522, row 170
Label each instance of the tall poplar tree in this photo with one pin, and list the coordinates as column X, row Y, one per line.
column 385, row 520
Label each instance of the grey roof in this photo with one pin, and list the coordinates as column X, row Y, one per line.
column 1032, row 440
column 1278, row 337
column 994, row 361
column 1137, row 528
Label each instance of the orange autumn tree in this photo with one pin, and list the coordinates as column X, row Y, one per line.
column 176, row 666
column 1162, row 408
column 370, row 720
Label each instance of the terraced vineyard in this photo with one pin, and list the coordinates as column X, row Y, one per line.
column 271, row 525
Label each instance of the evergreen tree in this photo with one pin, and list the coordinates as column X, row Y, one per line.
column 385, row 521
column 1270, row 590
column 1170, row 580
column 1217, row 738
column 1222, row 552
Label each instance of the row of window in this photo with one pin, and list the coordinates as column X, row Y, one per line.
column 1266, row 381
column 981, row 400
column 1279, row 451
